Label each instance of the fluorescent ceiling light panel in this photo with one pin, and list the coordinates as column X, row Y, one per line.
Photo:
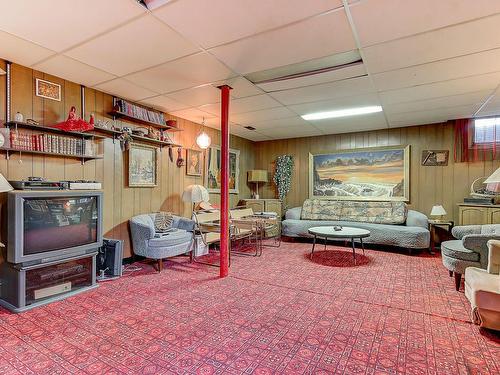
column 343, row 113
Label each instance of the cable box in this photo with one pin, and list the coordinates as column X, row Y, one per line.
column 39, row 185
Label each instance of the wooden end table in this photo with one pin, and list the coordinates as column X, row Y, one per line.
column 436, row 229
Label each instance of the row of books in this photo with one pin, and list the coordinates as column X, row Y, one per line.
column 140, row 112
column 52, row 143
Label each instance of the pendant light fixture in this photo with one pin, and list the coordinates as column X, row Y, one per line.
column 203, row 140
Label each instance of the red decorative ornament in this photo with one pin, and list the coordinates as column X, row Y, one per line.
column 73, row 123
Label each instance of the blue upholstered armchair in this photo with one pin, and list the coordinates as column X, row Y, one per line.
column 147, row 243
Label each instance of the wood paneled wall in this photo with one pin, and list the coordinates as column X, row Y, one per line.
column 428, row 185
column 120, row 201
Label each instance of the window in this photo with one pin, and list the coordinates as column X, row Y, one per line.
column 487, row 130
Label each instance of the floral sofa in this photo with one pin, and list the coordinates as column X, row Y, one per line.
column 390, row 223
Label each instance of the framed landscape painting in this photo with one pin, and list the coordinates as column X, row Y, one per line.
column 213, row 169
column 377, row 174
column 142, row 166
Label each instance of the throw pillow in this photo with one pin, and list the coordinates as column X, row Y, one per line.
column 163, row 221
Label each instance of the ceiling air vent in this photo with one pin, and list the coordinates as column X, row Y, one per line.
column 307, row 68
column 249, row 127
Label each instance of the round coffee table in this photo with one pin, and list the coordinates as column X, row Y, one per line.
column 346, row 233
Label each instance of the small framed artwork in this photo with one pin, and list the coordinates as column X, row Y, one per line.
column 435, row 158
column 194, row 162
column 48, row 90
column 213, row 170
column 142, row 166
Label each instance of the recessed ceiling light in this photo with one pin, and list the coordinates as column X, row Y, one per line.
column 343, row 113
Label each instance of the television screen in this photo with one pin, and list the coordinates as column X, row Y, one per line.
column 58, row 223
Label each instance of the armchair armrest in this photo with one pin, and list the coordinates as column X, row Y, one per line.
column 293, row 213
column 417, row 219
column 494, row 257
column 479, row 244
column 460, row 231
column 183, row 223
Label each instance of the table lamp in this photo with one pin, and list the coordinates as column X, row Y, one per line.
column 195, row 194
column 4, row 187
column 439, row 211
column 256, row 176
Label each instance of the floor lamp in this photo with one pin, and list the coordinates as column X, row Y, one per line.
column 256, row 176
column 4, row 187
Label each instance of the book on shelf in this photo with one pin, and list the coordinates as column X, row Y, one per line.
column 58, row 144
column 140, row 113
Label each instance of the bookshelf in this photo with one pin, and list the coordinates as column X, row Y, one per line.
column 74, row 156
column 116, row 133
column 23, row 125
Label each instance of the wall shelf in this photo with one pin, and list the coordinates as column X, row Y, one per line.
column 48, row 129
column 117, row 133
column 83, row 158
column 118, row 114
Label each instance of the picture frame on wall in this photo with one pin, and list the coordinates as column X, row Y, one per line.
column 372, row 174
column 435, row 158
column 48, row 90
column 142, row 166
column 194, row 162
column 213, row 169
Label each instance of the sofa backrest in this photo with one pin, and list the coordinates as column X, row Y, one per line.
column 359, row 211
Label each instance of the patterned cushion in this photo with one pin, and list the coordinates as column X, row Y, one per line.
column 163, row 221
column 359, row 211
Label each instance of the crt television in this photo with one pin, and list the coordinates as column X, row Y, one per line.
column 48, row 225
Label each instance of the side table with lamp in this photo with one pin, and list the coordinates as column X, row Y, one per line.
column 440, row 229
column 256, row 176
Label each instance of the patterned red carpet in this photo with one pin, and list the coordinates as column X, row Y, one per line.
column 281, row 313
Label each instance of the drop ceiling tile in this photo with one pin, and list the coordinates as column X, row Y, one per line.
column 140, row 44
column 247, row 134
column 351, row 124
column 441, row 89
column 280, row 123
column 72, row 70
column 241, row 87
column 291, row 132
column 463, row 66
column 430, row 116
column 197, row 96
column 462, row 39
column 164, row 103
column 125, row 89
column 192, row 114
column 377, row 21
column 491, row 108
column 281, row 47
column 339, row 89
column 364, row 100
column 21, row 51
column 248, row 118
column 183, row 73
column 335, row 75
column 58, row 25
column 472, row 98
column 196, row 19
column 242, row 105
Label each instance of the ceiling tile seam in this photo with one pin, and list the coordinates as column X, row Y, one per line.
column 29, row 41
column 433, row 98
column 486, row 101
column 62, row 52
column 272, row 29
column 362, row 53
column 432, row 30
column 132, row 83
column 450, row 108
column 436, row 61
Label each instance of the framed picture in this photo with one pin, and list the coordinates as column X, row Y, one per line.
column 376, row 174
column 48, row 90
column 142, row 166
column 435, row 158
column 194, row 162
column 213, row 166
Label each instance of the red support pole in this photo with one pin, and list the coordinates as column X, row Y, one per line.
column 224, row 191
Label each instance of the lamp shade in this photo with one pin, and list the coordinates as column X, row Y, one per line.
column 495, row 177
column 438, row 211
column 203, row 140
column 195, row 194
column 257, row 175
column 4, row 184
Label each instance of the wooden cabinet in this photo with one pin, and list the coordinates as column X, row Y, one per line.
column 260, row 205
column 470, row 214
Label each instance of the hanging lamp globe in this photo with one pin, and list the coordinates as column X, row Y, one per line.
column 203, row 140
